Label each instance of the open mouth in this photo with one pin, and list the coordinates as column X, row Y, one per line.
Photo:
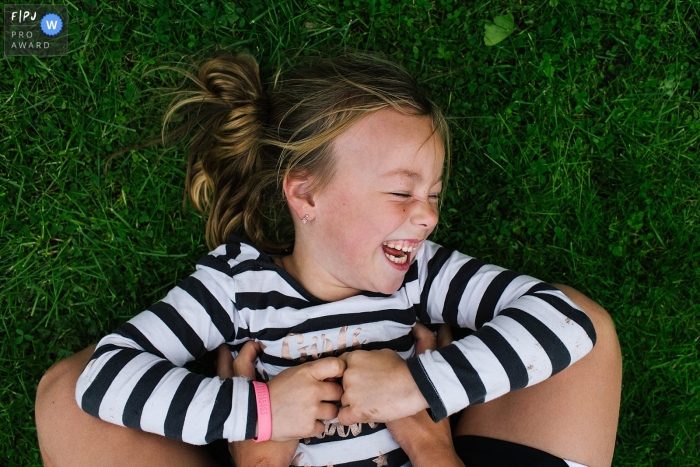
column 398, row 252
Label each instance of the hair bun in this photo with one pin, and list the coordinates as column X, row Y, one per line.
column 232, row 78
column 226, row 107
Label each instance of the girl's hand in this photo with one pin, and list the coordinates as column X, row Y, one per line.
column 299, row 396
column 268, row 453
column 378, row 387
column 425, row 442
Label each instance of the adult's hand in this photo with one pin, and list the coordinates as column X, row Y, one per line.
column 425, row 442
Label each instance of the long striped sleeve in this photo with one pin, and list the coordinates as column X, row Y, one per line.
column 525, row 330
column 135, row 377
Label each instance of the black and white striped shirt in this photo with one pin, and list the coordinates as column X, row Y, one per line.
column 525, row 332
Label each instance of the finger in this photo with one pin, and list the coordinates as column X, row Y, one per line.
column 327, row 411
column 224, row 362
column 319, row 428
column 244, row 365
column 444, row 336
column 250, row 351
column 331, row 391
column 327, row 368
column 425, row 338
column 347, row 416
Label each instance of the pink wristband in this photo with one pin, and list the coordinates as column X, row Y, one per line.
column 262, row 396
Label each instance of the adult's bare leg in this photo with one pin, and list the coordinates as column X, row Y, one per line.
column 70, row 437
column 572, row 415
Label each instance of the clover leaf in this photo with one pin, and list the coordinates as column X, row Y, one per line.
column 497, row 31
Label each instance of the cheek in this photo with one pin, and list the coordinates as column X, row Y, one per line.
column 355, row 225
column 342, row 216
column 344, row 205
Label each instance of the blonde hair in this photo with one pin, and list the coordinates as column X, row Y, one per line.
column 247, row 141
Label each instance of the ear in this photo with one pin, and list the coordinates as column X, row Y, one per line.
column 300, row 197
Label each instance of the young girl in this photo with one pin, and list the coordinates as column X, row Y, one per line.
column 349, row 154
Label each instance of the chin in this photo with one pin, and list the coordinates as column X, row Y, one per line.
column 389, row 289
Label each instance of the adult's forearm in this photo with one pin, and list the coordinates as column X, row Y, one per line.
column 425, row 442
column 267, row 454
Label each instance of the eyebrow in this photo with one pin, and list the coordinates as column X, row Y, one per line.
column 408, row 174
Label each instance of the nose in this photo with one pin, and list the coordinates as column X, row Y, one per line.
column 424, row 214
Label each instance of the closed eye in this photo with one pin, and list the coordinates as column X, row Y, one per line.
column 432, row 196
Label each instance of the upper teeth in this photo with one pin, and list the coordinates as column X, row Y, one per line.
column 403, row 246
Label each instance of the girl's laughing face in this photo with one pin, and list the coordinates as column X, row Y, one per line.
column 380, row 205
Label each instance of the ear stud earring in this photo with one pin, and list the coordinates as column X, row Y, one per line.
column 305, row 219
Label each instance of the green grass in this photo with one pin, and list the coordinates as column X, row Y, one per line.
column 576, row 160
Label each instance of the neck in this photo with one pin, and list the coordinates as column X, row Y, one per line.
column 313, row 277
